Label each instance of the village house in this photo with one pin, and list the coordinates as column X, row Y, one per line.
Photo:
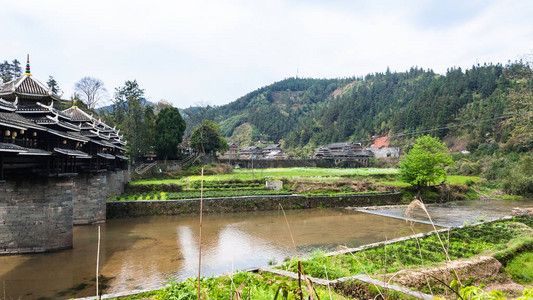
column 381, row 148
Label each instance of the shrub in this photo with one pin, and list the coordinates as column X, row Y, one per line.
column 520, row 179
column 520, row 268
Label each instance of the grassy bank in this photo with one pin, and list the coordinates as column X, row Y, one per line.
column 460, row 243
column 242, row 285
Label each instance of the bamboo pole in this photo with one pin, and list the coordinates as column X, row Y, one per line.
column 200, row 242
column 97, row 263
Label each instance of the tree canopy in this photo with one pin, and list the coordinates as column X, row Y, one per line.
column 207, row 139
column 169, row 127
column 424, row 163
column 135, row 119
column 10, row 70
column 91, row 90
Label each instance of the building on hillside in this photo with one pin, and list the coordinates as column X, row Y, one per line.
column 385, row 151
column 381, row 148
column 273, row 151
column 37, row 138
column 345, row 146
column 323, row 153
column 232, row 153
column 343, row 151
column 251, row 152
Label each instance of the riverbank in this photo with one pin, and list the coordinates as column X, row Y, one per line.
column 126, row 209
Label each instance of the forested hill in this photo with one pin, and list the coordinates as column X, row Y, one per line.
column 485, row 104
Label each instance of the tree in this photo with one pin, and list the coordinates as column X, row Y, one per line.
column 52, row 83
column 195, row 115
column 10, row 71
column 206, row 138
column 169, row 127
column 91, row 89
column 131, row 115
column 424, row 163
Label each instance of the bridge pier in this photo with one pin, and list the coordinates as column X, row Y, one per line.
column 37, row 214
column 90, row 193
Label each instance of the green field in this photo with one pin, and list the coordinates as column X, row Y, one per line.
column 279, row 173
column 306, row 181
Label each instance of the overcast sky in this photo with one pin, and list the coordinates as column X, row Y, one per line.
column 215, row 51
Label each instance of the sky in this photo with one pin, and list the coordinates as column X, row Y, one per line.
column 191, row 52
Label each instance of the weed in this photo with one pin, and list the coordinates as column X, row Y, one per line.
column 520, row 268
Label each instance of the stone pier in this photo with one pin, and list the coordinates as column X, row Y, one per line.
column 90, row 194
column 37, row 214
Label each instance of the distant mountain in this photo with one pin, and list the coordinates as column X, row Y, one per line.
column 482, row 105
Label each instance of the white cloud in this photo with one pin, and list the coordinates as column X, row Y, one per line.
column 216, row 51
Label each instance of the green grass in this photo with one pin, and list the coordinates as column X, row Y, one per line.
column 461, row 180
column 278, row 173
column 520, row 268
column 399, row 184
column 464, row 243
column 154, row 196
column 252, row 286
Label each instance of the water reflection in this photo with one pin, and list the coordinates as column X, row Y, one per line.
column 144, row 253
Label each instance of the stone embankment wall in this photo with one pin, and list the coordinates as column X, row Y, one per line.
column 240, row 204
column 37, row 214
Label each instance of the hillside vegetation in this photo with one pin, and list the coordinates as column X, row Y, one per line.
column 488, row 105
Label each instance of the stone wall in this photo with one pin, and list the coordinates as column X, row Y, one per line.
column 89, row 198
column 91, row 192
column 240, row 204
column 35, row 215
column 116, row 180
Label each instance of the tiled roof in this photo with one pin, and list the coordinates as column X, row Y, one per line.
column 122, row 157
column 118, row 141
column 27, row 86
column 103, row 143
column 33, row 151
column 6, row 147
column 272, row 146
column 70, row 152
column 78, row 115
column 69, row 135
column 19, row 122
column 6, row 105
column 31, row 108
column 88, row 133
column 106, row 156
column 68, row 125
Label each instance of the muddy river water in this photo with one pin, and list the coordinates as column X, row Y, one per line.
column 143, row 253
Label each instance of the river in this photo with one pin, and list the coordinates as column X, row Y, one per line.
column 143, row 253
